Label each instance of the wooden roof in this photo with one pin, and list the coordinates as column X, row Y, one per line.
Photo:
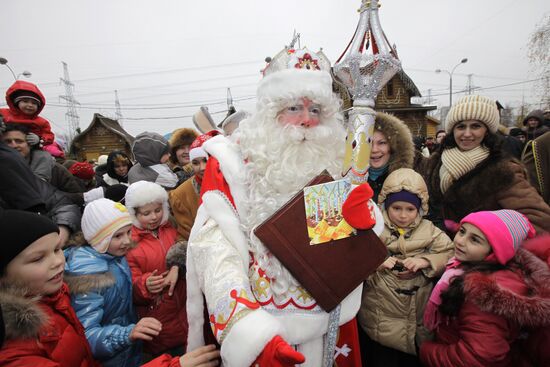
column 409, row 84
column 109, row 124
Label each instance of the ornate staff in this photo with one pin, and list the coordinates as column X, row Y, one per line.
column 365, row 66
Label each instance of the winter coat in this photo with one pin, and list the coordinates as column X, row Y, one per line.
column 19, row 188
column 184, row 201
column 38, row 125
column 392, row 309
column 101, row 295
column 43, row 331
column 499, row 309
column 401, row 147
column 496, row 183
column 536, row 158
column 110, row 177
column 154, row 252
column 41, row 163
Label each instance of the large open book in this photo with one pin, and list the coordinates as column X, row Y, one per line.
column 328, row 271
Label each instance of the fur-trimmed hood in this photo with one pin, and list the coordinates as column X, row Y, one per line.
column 405, row 179
column 400, row 140
column 23, row 318
column 522, row 299
column 80, row 284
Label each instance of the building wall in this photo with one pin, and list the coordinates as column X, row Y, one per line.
column 98, row 141
column 394, row 94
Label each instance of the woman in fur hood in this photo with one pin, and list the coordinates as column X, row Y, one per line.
column 180, row 141
column 470, row 172
column 392, row 148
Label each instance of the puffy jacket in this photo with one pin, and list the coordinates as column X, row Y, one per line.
column 101, row 286
column 42, row 332
column 392, row 308
column 38, row 125
column 498, row 308
column 154, row 252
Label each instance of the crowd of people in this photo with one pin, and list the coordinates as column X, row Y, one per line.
column 152, row 258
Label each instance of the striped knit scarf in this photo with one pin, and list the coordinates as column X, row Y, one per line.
column 456, row 163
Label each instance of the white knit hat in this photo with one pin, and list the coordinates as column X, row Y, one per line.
column 473, row 108
column 101, row 219
column 142, row 193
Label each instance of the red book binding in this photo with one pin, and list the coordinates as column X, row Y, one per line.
column 328, row 271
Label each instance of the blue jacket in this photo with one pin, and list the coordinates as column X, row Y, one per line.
column 101, row 295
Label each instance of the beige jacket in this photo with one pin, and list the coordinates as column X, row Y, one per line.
column 392, row 308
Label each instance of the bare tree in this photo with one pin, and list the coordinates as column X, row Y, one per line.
column 539, row 57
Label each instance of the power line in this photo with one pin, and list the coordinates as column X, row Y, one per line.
column 191, row 104
column 131, row 75
column 169, row 117
column 172, row 84
column 493, row 87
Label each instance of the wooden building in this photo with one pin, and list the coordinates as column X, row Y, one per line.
column 102, row 137
column 395, row 98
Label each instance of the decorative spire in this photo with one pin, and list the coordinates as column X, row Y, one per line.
column 365, row 66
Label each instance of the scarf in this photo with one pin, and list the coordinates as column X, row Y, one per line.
column 166, row 178
column 456, row 163
column 432, row 316
column 374, row 173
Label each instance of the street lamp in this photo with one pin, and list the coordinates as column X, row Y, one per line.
column 463, row 61
column 26, row 73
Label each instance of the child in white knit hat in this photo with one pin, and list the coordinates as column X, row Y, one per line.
column 158, row 267
column 100, row 282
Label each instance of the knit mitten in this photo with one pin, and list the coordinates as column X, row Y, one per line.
column 356, row 209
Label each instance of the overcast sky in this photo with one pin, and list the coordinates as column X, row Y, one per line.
column 168, row 57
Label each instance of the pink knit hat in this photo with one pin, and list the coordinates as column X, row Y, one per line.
column 505, row 230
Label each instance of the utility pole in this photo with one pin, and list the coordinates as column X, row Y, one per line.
column 470, row 86
column 71, row 116
column 118, row 112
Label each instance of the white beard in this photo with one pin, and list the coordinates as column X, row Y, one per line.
column 280, row 162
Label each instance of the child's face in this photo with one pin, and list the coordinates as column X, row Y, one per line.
column 471, row 244
column 199, row 165
column 150, row 216
column 28, row 106
column 121, row 168
column 120, row 242
column 39, row 267
column 402, row 213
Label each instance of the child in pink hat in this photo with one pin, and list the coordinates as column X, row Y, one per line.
column 492, row 291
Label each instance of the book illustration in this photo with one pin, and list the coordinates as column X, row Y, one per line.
column 324, row 218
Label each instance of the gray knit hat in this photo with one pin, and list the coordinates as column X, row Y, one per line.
column 473, row 108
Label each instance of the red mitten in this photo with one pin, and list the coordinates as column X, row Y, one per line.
column 277, row 353
column 356, row 210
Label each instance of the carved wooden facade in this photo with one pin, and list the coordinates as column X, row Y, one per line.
column 102, row 137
